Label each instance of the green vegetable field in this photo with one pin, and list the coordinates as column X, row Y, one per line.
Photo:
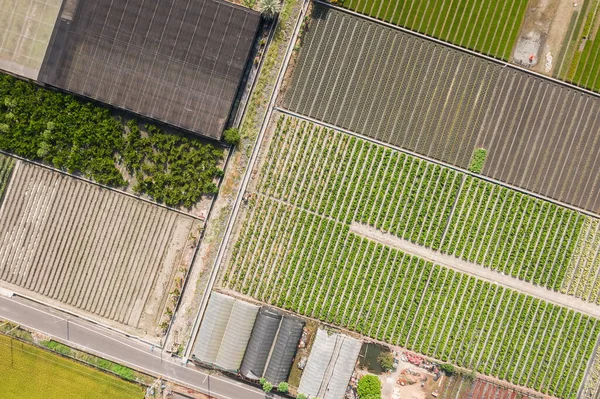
column 582, row 49
column 296, row 251
column 32, row 373
column 489, row 26
column 428, row 204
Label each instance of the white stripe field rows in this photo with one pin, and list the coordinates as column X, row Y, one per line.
column 99, row 251
column 295, row 250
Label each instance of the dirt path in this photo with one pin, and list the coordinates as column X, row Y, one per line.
column 472, row 269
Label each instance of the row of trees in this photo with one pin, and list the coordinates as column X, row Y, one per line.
column 83, row 138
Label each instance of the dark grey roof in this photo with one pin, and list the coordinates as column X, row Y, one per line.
column 213, row 327
column 284, row 350
column 176, row 61
column 261, row 341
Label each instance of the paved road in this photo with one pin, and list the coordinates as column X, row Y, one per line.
column 116, row 347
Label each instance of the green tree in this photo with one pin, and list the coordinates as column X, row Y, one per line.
column 447, row 368
column 386, row 360
column 269, row 8
column 283, row 387
column 267, row 386
column 369, row 387
column 232, row 136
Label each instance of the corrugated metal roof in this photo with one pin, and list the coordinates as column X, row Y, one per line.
column 284, row 350
column 236, row 336
column 330, row 365
column 213, row 327
column 261, row 341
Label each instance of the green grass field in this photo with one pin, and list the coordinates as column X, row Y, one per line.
column 487, row 26
column 32, row 373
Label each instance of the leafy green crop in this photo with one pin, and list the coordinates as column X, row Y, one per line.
column 478, row 160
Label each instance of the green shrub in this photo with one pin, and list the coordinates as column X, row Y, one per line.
column 478, row 160
column 386, row 360
column 301, row 396
column 267, row 386
column 232, row 136
column 447, row 368
column 369, row 387
column 56, row 347
column 283, row 387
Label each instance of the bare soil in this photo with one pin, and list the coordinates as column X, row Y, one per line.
column 543, row 33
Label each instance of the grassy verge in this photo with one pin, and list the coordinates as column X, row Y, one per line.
column 30, row 372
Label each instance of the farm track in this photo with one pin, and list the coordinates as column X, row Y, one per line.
column 296, row 250
column 95, row 250
column 466, row 102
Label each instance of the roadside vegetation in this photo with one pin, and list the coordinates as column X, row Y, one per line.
column 83, row 138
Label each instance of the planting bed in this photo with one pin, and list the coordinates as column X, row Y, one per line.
column 295, row 250
column 444, row 104
column 436, row 207
column 582, row 48
column 91, row 250
column 490, row 27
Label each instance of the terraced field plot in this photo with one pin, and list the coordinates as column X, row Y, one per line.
column 94, row 251
column 295, row 250
column 443, row 103
column 487, row 26
column 582, row 49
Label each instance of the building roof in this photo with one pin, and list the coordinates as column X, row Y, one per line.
column 177, row 61
column 261, row 341
column 236, row 335
column 284, row 350
column 213, row 327
column 330, row 366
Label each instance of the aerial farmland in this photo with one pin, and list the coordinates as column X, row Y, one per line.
column 353, row 199
column 100, row 253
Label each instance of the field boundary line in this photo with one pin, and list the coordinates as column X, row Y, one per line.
column 245, row 180
column 84, row 179
column 437, row 161
column 459, row 48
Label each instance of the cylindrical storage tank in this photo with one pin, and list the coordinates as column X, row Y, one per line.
column 236, row 336
column 284, row 351
column 213, row 327
column 261, row 341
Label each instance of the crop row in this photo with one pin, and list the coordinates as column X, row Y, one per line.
column 6, row 167
column 352, row 180
column 311, row 264
column 488, row 26
column 583, row 274
column 591, row 385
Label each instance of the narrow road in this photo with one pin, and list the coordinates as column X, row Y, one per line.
column 483, row 273
column 109, row 345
